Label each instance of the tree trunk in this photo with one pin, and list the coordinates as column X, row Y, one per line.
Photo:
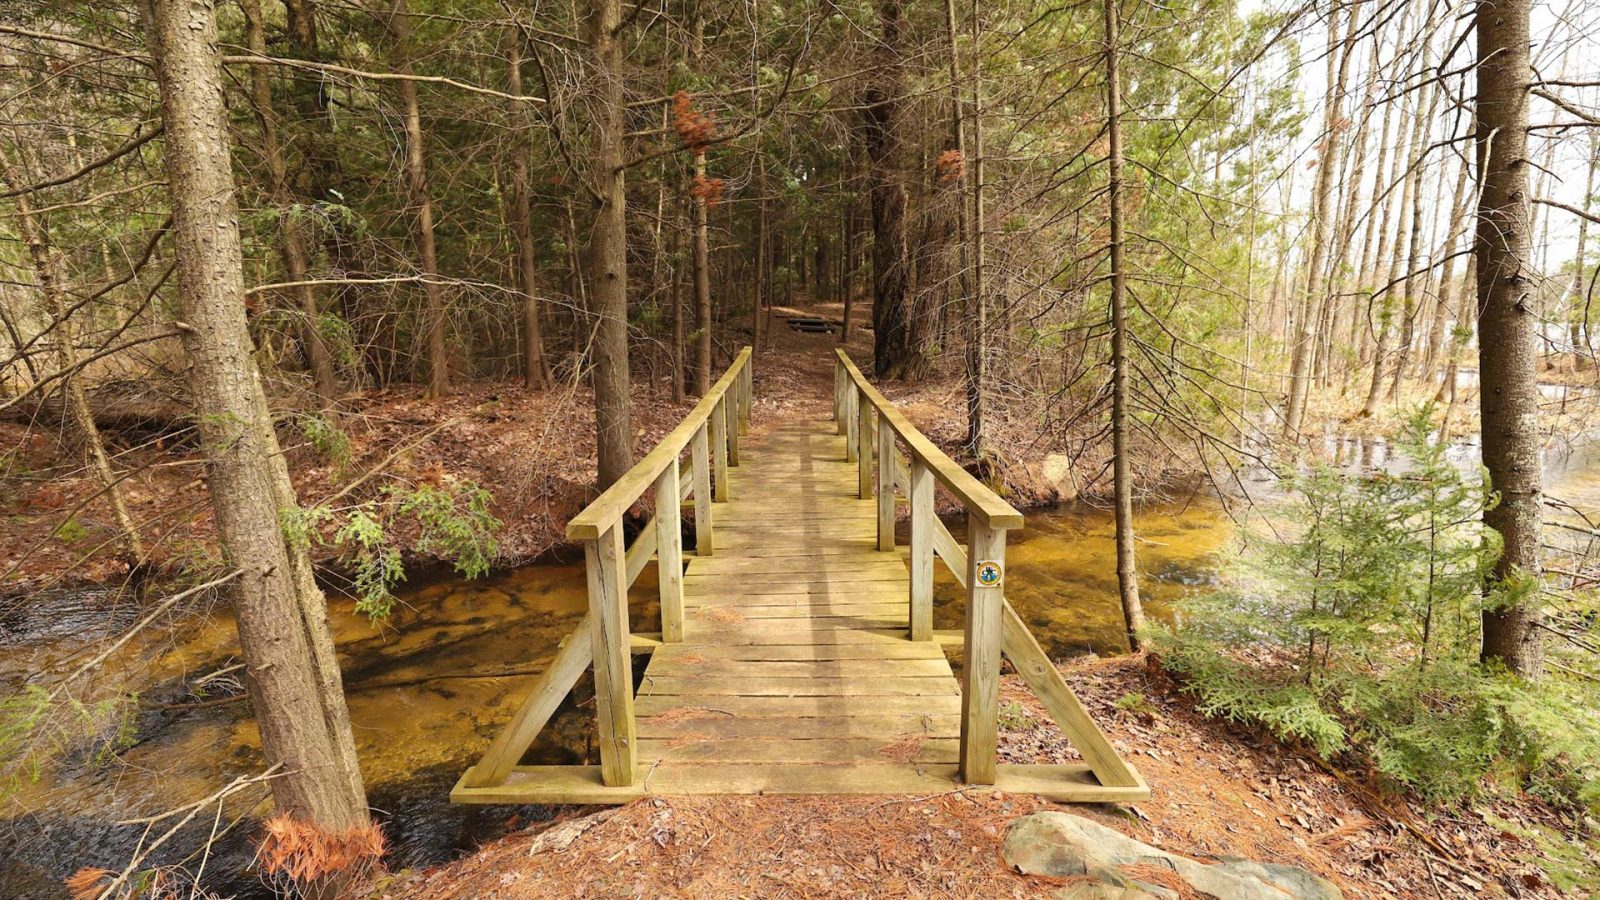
column 1441, row 309
column 535, row 368
column 1413, row 261
column 1322, row 216
column 895, row 349
column 757, row 302
column 292, row 246
column 1578, row 319
column 1406, row 226
column 293, row 675
column 1121, row 453
column 847, row 282
column 82, row 428
column 700, row 236
column 1508, row 394
column 679, row 354
column 433, row 314
column 608, row 251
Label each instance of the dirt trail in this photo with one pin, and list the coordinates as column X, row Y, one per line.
column 1218, row 791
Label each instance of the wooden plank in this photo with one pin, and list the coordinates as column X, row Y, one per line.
column 860, row 751
column 827, row 511
column 583, row 785
column 615, row 500
column 571, row 661
column 704, row 527
column 738, row 567
column 885, row 486
column 715, row 621
column 815, row 728
column 864, row 447
column 923, row 519
column 1045, row 679
column 979, row 500
column 804, row 686
column 888, row 614
column 766, row 632
column 687, row 663
column 980, row 695
column 717, row 425
column 641, row 552
column 1074, row 783
column 613, row 666
column 840, row 413
column 797, row 707
column 884, row 593
column 901, row 650
column 669, row 553
column 852, row 441
column 730, row 410
column 822, row 570
column 953, row 554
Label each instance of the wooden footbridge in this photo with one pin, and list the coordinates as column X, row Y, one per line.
column 797, row 653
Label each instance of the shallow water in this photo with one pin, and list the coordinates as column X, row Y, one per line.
column 429, row 690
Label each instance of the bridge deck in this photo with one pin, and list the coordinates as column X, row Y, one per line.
column 795, row 674
column 795, row 650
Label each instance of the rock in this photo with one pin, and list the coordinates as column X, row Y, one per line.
column 1292, row 880
column 1062, row 845
column 1100, row 890
column 1057, row 470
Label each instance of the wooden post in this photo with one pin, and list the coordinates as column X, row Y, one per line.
column 851, row 442
column 840, row 412
column 747, row 396
column 730, row 407
column 863, row 448
column 669, row 552
column 922, row 526
column 980, row 694
column 885, row 486
column 719, row 451
column 613, row 661
column 700, row 448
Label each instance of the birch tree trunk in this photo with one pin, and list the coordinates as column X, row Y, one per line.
column 1322, row 216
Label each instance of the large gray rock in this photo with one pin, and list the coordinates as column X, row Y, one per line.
column 1059, row 844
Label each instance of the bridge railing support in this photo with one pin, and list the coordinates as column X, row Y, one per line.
column 992, row 626
column 710, row 432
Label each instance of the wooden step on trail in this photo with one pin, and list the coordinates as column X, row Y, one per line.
column 797, row 654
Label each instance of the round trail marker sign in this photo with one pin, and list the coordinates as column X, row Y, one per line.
column 990, row 573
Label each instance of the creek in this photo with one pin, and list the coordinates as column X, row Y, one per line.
column 429, row 688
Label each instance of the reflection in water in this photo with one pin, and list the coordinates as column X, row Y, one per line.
column 1062, row 576
column 427, row 692
column 425, row 695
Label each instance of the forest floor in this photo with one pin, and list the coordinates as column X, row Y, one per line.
column 1218, row 790
column 534, row 450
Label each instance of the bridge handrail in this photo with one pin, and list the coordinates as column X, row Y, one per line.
column 602, row 639
column 976, row 496
column 626, row 491
column 980, row 567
